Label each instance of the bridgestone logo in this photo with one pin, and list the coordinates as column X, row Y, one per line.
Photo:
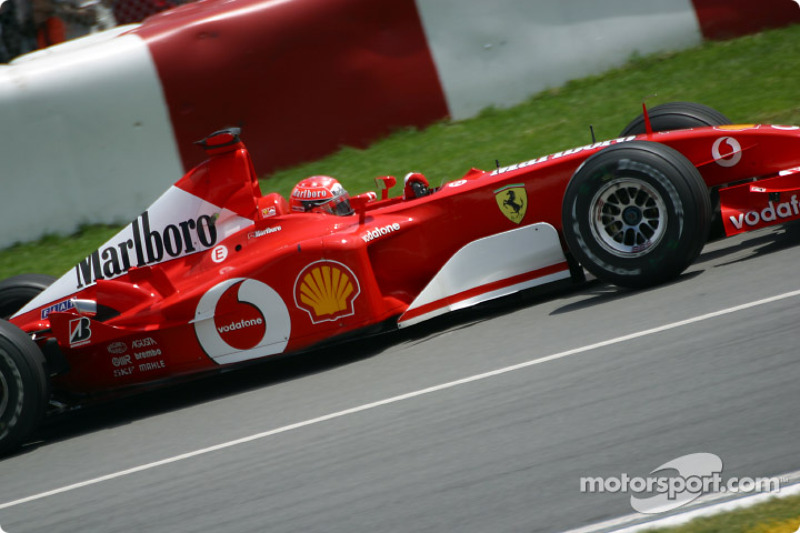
column 233, row 326
column 146, row 247
column 379, row 232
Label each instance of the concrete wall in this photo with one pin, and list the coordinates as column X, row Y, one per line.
column 501, row 52
column 85, row 137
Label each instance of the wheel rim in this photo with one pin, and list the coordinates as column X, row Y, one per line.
column 628, row 217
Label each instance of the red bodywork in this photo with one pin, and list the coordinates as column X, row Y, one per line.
column 214, row 273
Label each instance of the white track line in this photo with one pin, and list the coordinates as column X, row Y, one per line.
column 402, row 397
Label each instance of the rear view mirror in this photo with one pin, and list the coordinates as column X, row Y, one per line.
column 384, row 183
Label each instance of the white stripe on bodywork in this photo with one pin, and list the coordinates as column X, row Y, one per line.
column 489, row 260
column 173, row 206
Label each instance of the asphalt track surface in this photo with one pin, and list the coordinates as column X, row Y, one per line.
column 388, row 434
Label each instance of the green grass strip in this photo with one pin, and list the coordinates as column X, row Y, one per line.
column 774, row 516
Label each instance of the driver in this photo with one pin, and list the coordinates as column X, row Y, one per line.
column 320, row 194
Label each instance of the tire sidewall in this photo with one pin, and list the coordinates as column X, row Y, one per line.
column 25, row 382
column 13, row 396
column 666, row 258
column 13, row 424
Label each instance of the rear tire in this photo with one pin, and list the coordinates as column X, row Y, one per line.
column 16, row 291
column 681, row 116
column 23, row 386
column 676, row 116
column 636, row 214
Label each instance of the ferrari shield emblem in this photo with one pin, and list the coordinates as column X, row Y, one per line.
column 512, row 201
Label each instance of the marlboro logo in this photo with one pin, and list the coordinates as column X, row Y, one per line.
column 146, row 246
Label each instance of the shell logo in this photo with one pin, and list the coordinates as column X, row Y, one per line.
column 736, row 127
column 326, row 291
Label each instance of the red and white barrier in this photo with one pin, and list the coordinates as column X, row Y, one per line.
column 85, row 136
column 96, row 128
column 724, row 19
column 300, row 77
column 499, row 53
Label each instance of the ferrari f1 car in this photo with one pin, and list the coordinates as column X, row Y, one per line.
column 214, row 273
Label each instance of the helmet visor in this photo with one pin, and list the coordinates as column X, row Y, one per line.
column 335, row 206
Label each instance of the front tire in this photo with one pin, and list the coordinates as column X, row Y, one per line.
column 23, row 386
column 636, row 214
column 681, row 116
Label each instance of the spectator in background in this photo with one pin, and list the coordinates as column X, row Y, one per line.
column 28, row 25
column 104, row 16
column 61, row 20
column 17, row 31
column 50, row 29
column 5, row 54
column 78, row 17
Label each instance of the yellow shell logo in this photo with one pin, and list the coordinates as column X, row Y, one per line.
column 736, row 127
column 326, row 290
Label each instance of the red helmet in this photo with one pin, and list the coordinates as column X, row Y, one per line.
column 320, row 193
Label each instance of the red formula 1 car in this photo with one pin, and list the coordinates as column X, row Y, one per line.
column 215, row 273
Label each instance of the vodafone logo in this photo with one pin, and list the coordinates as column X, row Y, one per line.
column 379, row 232
column 772, row 213
column 729, row 155
column 241, row 319
column 233, row 326
column 240, row 324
